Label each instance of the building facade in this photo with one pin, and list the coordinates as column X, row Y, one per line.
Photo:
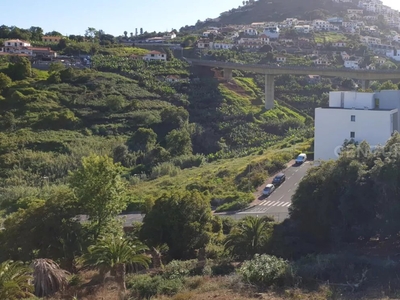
column 371, row 117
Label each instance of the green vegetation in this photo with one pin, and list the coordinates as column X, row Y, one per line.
column 329, row 37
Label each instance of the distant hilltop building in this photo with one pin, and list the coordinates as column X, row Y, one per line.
column 24, row 48
column 272, row 32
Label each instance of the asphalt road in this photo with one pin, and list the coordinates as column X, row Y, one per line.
column 278, row 203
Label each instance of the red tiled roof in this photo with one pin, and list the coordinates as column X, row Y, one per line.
column 16, row 41
column 40, row 49
column 155, row 52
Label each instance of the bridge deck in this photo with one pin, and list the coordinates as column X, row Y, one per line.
column 299, row 70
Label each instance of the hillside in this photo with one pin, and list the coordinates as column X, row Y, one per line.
column 279, row 10
column 126, row 109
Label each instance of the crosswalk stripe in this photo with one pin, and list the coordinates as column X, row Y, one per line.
column 266, row 203
column 272, row 203
column 281, row 204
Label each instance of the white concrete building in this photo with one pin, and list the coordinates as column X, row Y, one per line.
column 272, row 32
column 155, row 55
column 352, row 64
column 393, row 54
column 372, row 117
column 219, row 46
column 251, row 31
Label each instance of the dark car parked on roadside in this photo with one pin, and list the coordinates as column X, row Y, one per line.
column 279, row 179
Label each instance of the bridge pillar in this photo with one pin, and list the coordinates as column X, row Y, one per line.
column 365, row 84
column 269, row 91
column 228, row 74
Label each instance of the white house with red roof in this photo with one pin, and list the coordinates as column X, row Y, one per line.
column 24, row 48
column 155, row 55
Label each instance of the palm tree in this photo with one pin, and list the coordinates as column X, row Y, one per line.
column 112, row 254
column 48, row 277
column 249, row 236
column 15, row 280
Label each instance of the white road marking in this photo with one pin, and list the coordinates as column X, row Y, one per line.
column 280, row 198
column 289, row 190
column 295, row 183
column 273, row 203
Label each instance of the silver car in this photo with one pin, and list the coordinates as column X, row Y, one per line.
column 269, row 188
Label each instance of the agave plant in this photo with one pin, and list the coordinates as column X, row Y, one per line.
column 48, row 277
column 15, row 280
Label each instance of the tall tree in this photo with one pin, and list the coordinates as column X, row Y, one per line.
column 19, row 69
column 143, row 139
column 36, row 32
column 100, row 190
column 179, row 142
column 181, row 220
column 5, row 81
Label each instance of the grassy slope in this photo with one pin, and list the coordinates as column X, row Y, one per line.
column 220, row 177
column 36, row 147
column 278, row 10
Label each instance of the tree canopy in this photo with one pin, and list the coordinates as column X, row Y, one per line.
column 182, row 220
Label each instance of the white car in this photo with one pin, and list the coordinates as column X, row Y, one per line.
column 301, row 158
column 269, row 188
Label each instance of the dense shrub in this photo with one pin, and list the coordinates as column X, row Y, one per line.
column 178, row 269
column 166, row 168
column 188, row 161
column 146, row 287
column 264, row 270
column 232, row 206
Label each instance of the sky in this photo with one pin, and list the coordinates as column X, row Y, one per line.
column 115, row 16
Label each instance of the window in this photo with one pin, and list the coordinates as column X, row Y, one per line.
column 353, row 118
column 352, row 134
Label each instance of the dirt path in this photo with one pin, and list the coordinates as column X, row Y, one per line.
column 259, row 190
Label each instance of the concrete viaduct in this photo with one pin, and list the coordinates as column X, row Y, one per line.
column 271, row 71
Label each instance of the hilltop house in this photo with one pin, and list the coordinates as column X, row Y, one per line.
column 24, row 48
column 204, row 44
column 281, row 59
column 51, row 39
column 272, row 32
column 155, row 55
column 394, row 54
column 352, row 64
column 369, row 40
column 339, row 44
column 250, row 31
column 222, row 45
column 150, row 56
column 169, row 36
column 303, row 28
